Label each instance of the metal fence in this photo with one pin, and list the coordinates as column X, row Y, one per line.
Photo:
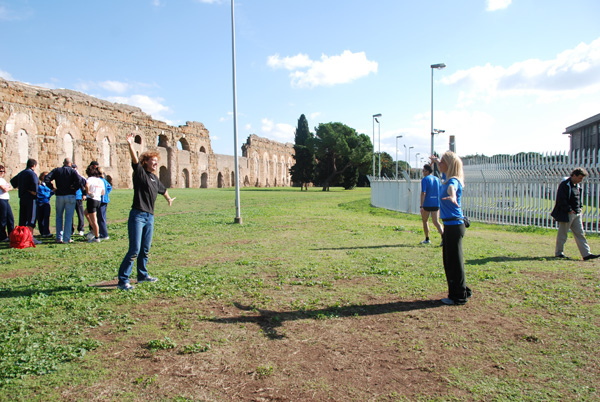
column 512, row 190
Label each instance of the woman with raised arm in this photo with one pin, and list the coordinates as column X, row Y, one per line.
column 140, row 226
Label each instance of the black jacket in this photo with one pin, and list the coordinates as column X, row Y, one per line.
column 568, row 198
column 66, row 180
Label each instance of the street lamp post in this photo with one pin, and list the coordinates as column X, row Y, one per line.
column 416, row 159
column 238, row 216
column 398, row 136
column 438, row 66
column 408, row 161
column 405, row 153
column 375, row 116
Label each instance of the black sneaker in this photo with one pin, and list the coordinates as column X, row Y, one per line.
column 562, row 255
column 591, row 257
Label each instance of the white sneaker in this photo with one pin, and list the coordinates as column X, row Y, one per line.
column 94, row 240
column 426, row 242
column 81, row 233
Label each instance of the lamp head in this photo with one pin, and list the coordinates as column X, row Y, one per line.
column 377, row 115
column 439, row 66
column 376, row 120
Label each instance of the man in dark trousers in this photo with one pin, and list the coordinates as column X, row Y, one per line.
column 140, row 226
column 567, row 212
column 66, row 181
column 27, row 183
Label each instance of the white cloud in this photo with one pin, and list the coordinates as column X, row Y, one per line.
column 280, row 132
column 494, row 5
column 571, row 73
column 6, row 75
column 210, row 1
column 248, row 127
column 314, row 115
column 114, row 86
column 10, row 14
column 329, row 71
column 152, row 106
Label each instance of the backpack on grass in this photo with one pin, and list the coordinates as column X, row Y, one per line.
column 21, row 237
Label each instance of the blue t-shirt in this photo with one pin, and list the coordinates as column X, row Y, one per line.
column 448, row 209
column 43, row 194
column 107, row 190
column 430, row 185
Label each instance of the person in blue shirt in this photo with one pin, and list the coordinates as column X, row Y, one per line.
column 43, row 207
column 79, row 198
column 454, row 227
column 430, row 202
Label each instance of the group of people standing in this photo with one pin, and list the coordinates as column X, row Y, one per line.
column 63, row 183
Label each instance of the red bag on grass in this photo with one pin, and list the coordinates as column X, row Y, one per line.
column 21, row 237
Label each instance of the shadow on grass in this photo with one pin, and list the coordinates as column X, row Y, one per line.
column 9, row 293
column 270, row 320
column 367, row 247
column 483, row 261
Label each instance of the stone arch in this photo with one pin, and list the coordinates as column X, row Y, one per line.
column 21, row 131
column 202, row 149
column 266, row 168
column 162, row 141
column 275, row 170
column 68, row 133
column 283, row 170
column 220, row 183
column 246, row 181
column 163, row 176
column 106, row 159
column 204, row 180
column 255, row 166
column 183, row 144
column 23, row 146
column 185, row 178
column 138, row 139
column 106, row 139
column 232, row 179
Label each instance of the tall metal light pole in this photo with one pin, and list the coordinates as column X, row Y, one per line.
column 398, row 136
column 408, row 161
column 438, row 66
column 416, row 158
column 375, row 116
column 238, row 217
column 405, row 153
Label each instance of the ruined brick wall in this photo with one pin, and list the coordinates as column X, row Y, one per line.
column 269, row 162
column 49, row 125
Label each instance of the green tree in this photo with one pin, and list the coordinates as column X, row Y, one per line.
column 388, row 166
column 303, row 171
column 342, row 155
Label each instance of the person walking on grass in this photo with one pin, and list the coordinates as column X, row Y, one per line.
column 430, row 202
column 140, row 226
column 454, row 228
column 567, row 212
column 27, row 183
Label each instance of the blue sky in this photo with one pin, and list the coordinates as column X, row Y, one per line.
column 518, row 72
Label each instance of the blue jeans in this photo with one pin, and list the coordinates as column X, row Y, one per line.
column 140, row 227
column 7, row 220
column 65, row 205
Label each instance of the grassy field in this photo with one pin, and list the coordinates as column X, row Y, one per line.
column 316, row 297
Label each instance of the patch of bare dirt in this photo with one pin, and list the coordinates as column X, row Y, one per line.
column 374, row 352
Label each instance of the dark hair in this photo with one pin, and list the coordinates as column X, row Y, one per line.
column 93, row 170
column 579, row 172
column 2, row 168
column 109, row 179
column 427, row 167
column 31, row 163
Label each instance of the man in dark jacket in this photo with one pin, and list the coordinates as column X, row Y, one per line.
column 567, row 212
column 66, row 181
column 27, row 183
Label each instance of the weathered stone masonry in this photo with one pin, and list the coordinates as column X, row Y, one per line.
column 49, row 125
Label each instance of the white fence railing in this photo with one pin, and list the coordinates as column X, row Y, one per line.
column 512, row 190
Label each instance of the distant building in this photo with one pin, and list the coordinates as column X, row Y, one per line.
column 585, row 134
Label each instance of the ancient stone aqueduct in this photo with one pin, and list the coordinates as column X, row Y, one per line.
column 50, row 124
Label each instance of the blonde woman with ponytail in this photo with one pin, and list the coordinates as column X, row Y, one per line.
column 454, row 227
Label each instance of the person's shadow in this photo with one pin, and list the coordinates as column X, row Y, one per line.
column 270, row 320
